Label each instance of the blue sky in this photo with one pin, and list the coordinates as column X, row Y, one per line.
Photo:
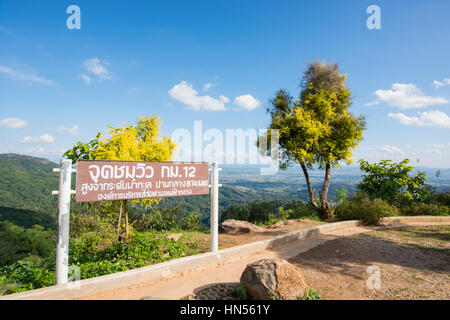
column 130, row 58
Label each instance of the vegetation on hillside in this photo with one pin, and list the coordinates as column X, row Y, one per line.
column 27, row 183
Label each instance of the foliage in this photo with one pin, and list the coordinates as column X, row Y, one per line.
column 270, row 212
column 28, row 218
column 160, row 219
column 191, row 222
column 26, row 274
column 360, row 207
column 83, row 151
column 144, row 249
column 341, row 195
column 424, row 209
column 442, row 198
column 241, row 293
column 393, row 182
column 141, row 142
column 317, row 129
column 84, row 223
column 17, row 243
column 235, row 212
column 27, row 183
column 312, row 294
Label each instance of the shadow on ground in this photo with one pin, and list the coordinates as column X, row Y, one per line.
column 347, row 254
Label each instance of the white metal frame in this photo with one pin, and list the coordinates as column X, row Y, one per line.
column 62, row 241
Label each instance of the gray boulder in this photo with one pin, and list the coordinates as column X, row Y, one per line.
column 269, row 279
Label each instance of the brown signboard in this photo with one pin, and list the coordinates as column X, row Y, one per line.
column 122, row 180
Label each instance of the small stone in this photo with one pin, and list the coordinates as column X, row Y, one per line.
column 174, row 236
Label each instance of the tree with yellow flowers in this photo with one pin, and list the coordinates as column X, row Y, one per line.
column 317, row 129
column 141, row 142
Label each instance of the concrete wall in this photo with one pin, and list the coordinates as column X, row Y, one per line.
column 88, row 287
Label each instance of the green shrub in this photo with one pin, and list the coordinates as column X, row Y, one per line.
column 425, row 209
column 143, row 249
column 26, row 274
column 311, row 295
column 81, row 224
column 241, row 293
column 442, row 199
column 393, row 182
column 359, row 207
column 301, row 210
column 17, row 243
column 191, row 222
column 260, row 211
column 235, row 212
column 159, row 219
column 270, row 212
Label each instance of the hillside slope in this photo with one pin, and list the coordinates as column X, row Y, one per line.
column 27, row 183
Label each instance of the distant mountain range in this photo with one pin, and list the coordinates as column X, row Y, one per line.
column 26, row 184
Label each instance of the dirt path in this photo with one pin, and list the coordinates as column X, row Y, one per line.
column 412, row 263
column 183, row 285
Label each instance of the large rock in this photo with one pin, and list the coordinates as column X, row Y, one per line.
column 269, row 279
column 232, row 226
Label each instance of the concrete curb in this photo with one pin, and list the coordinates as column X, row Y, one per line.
column 88, row 287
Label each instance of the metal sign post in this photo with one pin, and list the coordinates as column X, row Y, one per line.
column 214, row 221
column 62, row 241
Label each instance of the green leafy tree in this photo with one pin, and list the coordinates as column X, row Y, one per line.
column 316, row 130
column 141, row 142
column 393, row 182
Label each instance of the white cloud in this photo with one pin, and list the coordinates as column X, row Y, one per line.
column 207, row 86
column 391, row 149
column 246, row 102
column 43, row 138
column 24, row 76
column 426, row 119
column 73, row 131
column 13, row 123
column 86, row 78
column 185, row 93
column 438, row 84
column 407, row 96
column 97, row 70
column 368, row 104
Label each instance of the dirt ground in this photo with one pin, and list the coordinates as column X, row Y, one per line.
column 227, row 240
column 413, row 259
column 414, row 263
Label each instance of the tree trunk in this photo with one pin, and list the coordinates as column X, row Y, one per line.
column 325, row 210
column 120, row 217
column 308, row 183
